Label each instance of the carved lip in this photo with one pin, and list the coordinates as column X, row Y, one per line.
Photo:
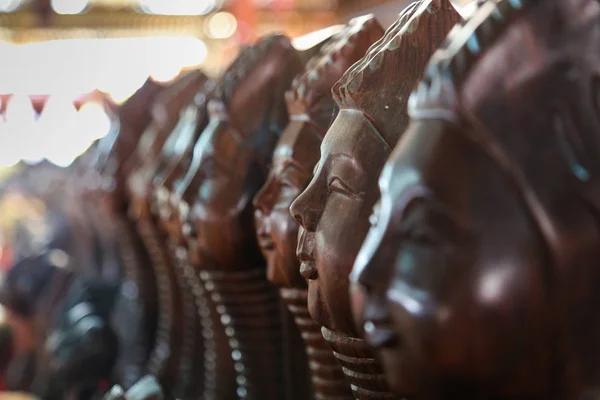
column 380, row 335
column 308, row 270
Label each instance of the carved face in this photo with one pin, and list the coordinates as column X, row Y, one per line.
column 293, row 162
column 334, row 214
column 450, row 282
column 228, row 175
column 229, row 163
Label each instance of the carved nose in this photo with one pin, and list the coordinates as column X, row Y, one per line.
column 262, row 201
column 302, row 213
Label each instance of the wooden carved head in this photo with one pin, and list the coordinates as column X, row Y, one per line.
column 479, row 275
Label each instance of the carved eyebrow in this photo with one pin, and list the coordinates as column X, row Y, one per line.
column 343, row 158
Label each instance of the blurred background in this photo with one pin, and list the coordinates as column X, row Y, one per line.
column 65, row 63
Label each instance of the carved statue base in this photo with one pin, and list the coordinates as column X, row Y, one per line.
column 192, row 349
column 249, row 309
column 165, row 357
column 359, row 365
column 219, row 380
column 327, row 376
column 135, row 311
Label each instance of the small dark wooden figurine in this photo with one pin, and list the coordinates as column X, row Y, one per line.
column 230, row 164
column 480, row 273
column 174, row 162
column 134, row 316
column 166, row 358
column 310, row 105
column 334, row 209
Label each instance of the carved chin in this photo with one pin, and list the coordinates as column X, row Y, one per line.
column 275, row 274
column 315, row 303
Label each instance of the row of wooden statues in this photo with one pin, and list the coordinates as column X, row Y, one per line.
column 408, row 213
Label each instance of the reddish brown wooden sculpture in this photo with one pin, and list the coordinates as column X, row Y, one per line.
column 310, row 105
column 167, row 354
column 134, row 319
column 230, row 162
column 335, row 207
column 481, row 268
column 175, row 159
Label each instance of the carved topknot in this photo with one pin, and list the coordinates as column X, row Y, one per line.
column 249, row 58
column 380, row 83
column 450, row 65
column 323, row 70
column 391, row 32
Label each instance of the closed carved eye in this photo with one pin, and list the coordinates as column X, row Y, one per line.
column 337, row 185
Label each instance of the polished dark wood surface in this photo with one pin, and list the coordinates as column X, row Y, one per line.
column 310, row 104
column 334, row 209
column 218, row 247
column 478, row 277
column 194, row 380
column 229, row 164
column 167, row 355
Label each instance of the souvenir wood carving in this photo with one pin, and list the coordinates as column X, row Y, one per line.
column 134, row 316
column 176, row 157
column 480, row 271
column 334, row 209
column 167, row 355
column 310, row 105
column 229, row 165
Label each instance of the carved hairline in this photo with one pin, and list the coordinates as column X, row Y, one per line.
column 435, row 99
column 348, row 36
column 339, row 89
column 435, row 96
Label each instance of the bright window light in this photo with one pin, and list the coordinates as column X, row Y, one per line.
column 222, row 25
column 178, row 7
column 68, row 6
column 115, row 66
column 9, row 5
